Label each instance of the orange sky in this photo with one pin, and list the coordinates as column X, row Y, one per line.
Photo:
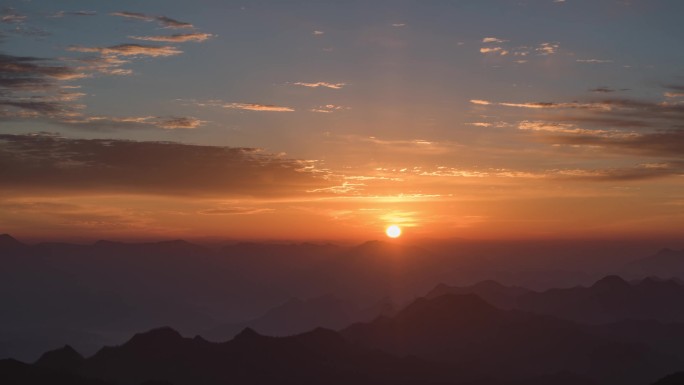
column 274, row 120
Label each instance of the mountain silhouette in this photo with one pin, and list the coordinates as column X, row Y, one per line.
column 665, row 263
column 465, row 329
column 610, row 299
column 13, row 372
column 63, row 359
column 672, row 379
column 315, row 357
column 321, row 356
column 294, row 317
column 503, row 297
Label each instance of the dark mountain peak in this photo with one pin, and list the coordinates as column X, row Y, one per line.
column 611, row 282
column 156, row 336
column 8, row 240
column 65, row 358
column 247, row 334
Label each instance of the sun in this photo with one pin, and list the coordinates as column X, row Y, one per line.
column 393, row 231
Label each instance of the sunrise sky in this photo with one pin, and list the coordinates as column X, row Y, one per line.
column 334, row 119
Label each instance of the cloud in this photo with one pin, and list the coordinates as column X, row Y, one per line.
column 243, row 106
column 178, row 38
column 328, row 108
column 317, row 33
column 235, row 211
column 55, row 165
column 480, row 102
column 166, row 22
column 335, row 86
column 547, row 48
column 31, row 87
column 398, row 25
column 130, row 50
column 128, row 122
column 172, row 23
column 11, row 16
column 492, row 50
column 73, row 13
column 565, row 128
column 593, row 61
column 646, row 171
column 656, row 144
column 493, row 40
column 674, row 94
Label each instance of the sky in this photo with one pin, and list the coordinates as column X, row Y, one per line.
column 331, row 120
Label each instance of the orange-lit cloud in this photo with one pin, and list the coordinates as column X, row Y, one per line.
column 178, row 38
column 130, row 50
column 335, row 86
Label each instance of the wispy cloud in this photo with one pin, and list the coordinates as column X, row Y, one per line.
column 165, row 21
column 258, row 107
column 493, row 40
column 593, row 61
column 130, row 50
column 335, row 86
column 11, row 16
column 317, row 32
column 494, row 50
column 178, row 38
column 480, row 102
column 235, row 211
column 110, row 123
column 329, row 108
column 398, row 25
column 73, row 13
column 547, row 48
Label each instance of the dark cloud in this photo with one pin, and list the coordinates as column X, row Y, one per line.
column 637, row 173
column 165, row 21
column 675, row 87
column 177, row 38
column 659, row 144
column 53, row 165
column 30, row 87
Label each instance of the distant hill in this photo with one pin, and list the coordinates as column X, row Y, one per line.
column 163, row 356
column 317, row 357
column 672, row 379
column 503, row 297
column 13, row 372
column 298, row 316
column 465, row 329
column 666, row 263
column 611, row 299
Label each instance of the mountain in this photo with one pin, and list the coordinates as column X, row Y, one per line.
column 465, row 329
column 610, row 299
column 163, row 356
column 293, row 317
column 665, row 263
column 503, row 297
column 11, row 247
column 63, row 359
column 316, row 357
column 672, row 379
column 13, row 372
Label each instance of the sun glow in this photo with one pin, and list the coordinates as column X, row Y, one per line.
column 393, row 231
